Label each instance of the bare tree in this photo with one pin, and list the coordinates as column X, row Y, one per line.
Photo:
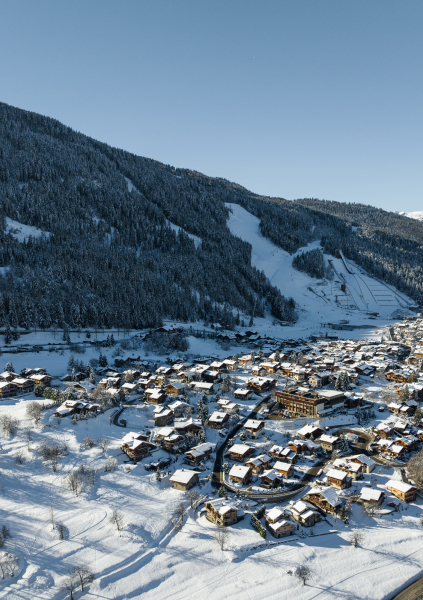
column 180, row 511
column 221, row 537
column 28, row 434
column 103, row 443
column 303, row 573
column 51, row 517
column 62, row 530
column 117, row 520
column 89, row 442
column 20, row 457
column 8, row 425
column 70, row 584
column 110, row 464
column 356, row 538
column 8, row 564
column 84, row 574
column 74, row 482
column 193, row 496
column 415, row 470
column 34, row 410
column 50, row 453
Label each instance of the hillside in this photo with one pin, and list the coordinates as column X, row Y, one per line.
column 93, row 235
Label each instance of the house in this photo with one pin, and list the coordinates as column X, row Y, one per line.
column 371, row 497
column 130, row 388
column 284, row 468
column 8, row 389
column 184, row 480
column 155, row 395
column 338, row 479
column 304, row 513
column 211, row 376
column 281, row 528
column 223, row 514
column 330, row 442
column 240, row 474
column 227, row 406
column 230, row 364
column 163, row 418
column 254, row 427
column 163, row 433
column 244, row 360
column 259, row 464
column 24, row 385
column 270, row 479
column 199, row 453
column 201, row 386
column 175, row 389
column 217, row 419
column 63, row 411
column 243, row 394
column 192, row 425
column 274, row 515
column 240, row 452
column 41, row 379
column 178, row 407
column 354, row 470
column 270, row 367
column 325, row 499
column 298, row 446
column 261, row 384
column 310, row 432
column 135, row 448
column 277, row 451
column 403, row 491
column 173, row 442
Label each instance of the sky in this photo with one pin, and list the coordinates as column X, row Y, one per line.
column 288, row 98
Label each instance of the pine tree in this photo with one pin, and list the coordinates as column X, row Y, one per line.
column 9, row 367
column 7, row 335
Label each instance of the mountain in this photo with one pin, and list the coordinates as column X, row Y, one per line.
column 417, row 214
column 93, row 235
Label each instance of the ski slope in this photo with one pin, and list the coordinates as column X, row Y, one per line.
column 318, row 300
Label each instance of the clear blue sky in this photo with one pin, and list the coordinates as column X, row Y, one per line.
column 297, row 98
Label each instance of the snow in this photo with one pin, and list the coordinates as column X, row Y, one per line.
column 319, row 301
column 417, row 214
column 23, row 232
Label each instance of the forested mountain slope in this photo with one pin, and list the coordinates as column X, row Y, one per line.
column 112, row 257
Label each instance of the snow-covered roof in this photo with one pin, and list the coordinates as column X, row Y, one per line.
column 370, row 494
column 183, row 476
column 336, row 474
column 239, row 448
column 328, row 494
column 239, row 471
column 274, row 513
column 401, row 486
column 282, row 466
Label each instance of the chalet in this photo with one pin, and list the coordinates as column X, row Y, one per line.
column 8, row 376
column 230, row 364
column 218, row 365
column 276, row 451
column 338, row 479
column 163, row 418
column 227, row 406
column 403, row 491
column 367, row 463
column 240, row 452
column 304, row 513
column 281, row 528
column 155, row 395
column 259, row 464
column 223, row 514
column 274, row 515
column 130, row 388
column 330, row 442
column 173, row 442
column 217, row 420
column 353, row 470
column 164, row 371
column 63, row 411
column 175, row 389
column 409, row 442
column 240, row 474
column 41, row 379
column 188, row 425
column 211, row 376
column 298, row 447
column 199, row 453
column 254, row 427
column 261, row 384
column 201, row 386
column 184, row 480
column 24, row 385
column 244, row 360
column 270, row 367
column 310, row 432
column 243, row 394
column 325, row 499
column 384, row 430
column 135, row 448
column 8, row 389
column 395, row 451
column 178, row 407
column 163, row 433
column 283, row 468
column 270, row 479
column 371, row 497
column 399, row 376
column 315, row 381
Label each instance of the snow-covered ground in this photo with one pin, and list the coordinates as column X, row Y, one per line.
column 417, row 214
column 319, row 301
column 23, row 232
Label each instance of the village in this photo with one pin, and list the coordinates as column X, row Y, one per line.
column 291, row 435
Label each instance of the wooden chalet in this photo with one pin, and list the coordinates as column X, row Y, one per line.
column 8, row 389
column 163, row 418
column 24, row 385
column 281, row 528
column 240, row 474
column 270, row 479
column 338, row 479
column 223, row 514
column 240, row 452
column 254, row 427
column 330, row 442
column 175, row 389
column 283, row 468
column 134, row 447
column 325, row 499
column 243, row 394
column 217, row 419
column 401, row 490
column 199, row 453
column 371, row 497
column 184, row 480
column 305, row 513
column 41, row 379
